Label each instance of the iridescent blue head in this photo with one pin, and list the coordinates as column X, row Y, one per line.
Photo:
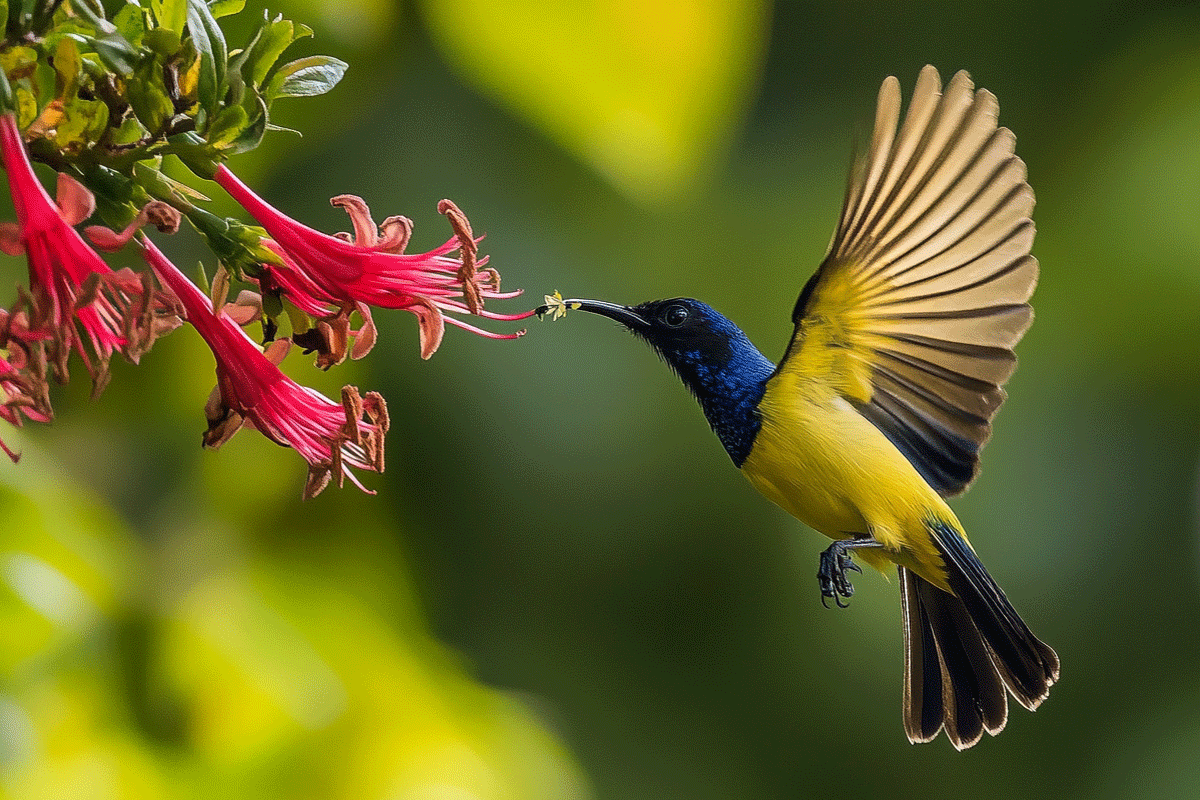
column 712, row 356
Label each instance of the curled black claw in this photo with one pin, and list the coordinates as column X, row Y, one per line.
column 831, row 574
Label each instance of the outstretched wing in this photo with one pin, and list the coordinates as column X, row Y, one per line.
column 914, row 312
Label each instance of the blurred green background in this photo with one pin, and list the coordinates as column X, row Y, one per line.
column 563, row 588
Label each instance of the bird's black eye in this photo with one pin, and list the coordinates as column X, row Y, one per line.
column 675, row 316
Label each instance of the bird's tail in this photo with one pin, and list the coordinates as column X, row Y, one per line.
column 962, row 651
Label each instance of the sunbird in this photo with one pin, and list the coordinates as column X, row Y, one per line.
column 903, row 339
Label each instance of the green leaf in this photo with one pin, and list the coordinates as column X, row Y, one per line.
column 306, row 77
column 273, row 127
column 170, row 14
column 117, row 54
column 195, row 153
column 204, row 284
column 45, row 80
column 115, row 195
column 82, row 121
column 225, row 8
column 18, row 61
column 92, row 15
column 227, row 126
column 69, row 66
column 148, row 96
column 112, row 47
column 253, row 133
column 96, row 112
column 8, row 102
column 214, row 55
column 130, row 22
column 272, row 305
column 158, row 185
column 301, row 322
column 130, row 132
column 27, row 107
column 163, row 41
column 643, row 92
column 273, row 38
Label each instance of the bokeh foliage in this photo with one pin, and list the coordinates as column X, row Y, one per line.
column 554, row 510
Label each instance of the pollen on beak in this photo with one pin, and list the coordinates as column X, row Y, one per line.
column 557, row 307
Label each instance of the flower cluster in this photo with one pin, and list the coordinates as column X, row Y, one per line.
column 103, row 129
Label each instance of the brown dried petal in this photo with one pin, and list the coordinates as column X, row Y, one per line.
column 101, row 375
column 219, row 291
column 468, row 250
column 162, row 216
column 164, row 324
column 335, row 336
column 430, row 325
column 375, row 407
column 318, row 479
column 366, row 336
column 223, row 422
column 352, row 404
column 365, row 233
column 396, row 232
column 337, row 467
column 88, row 291
column 58, row 351
column 460, row 223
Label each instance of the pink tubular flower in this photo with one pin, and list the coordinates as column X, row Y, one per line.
column 251, row 390
column 77, row 302
column 371, row 267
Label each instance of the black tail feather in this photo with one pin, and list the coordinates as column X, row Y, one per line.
column 924, row 708
column 962, row 651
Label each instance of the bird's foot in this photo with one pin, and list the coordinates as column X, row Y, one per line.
column 831, row 574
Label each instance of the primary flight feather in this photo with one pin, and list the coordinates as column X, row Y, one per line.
column 903, row 340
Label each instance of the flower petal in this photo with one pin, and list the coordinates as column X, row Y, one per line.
column 365, row 233
column 75, row 202
column 396, row 230
column 10, row 239
column 364, row 339
column 431, row 324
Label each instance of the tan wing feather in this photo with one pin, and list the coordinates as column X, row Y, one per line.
column 924, row 291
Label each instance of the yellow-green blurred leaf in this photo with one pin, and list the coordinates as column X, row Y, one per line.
column 18, row 62
column 644, row 92
column 131, row 23
column 69, row 66
column 171, row 14
column 27, row 109
column 224, row 8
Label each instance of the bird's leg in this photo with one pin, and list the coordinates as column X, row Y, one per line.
column 835, row 562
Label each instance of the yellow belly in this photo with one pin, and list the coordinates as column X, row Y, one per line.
column 824, row 463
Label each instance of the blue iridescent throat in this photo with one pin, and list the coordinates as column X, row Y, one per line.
column 728, row 375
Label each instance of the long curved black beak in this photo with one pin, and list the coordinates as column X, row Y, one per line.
column 622, row 314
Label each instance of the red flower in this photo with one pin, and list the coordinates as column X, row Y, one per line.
column 77, row 301
column 251, row 390
column 372, row 268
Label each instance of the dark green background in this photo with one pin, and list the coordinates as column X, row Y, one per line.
column 580, row 537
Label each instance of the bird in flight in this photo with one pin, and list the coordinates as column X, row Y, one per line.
column 877, row 412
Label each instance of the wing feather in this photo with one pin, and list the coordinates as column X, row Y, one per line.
column 924, row 291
